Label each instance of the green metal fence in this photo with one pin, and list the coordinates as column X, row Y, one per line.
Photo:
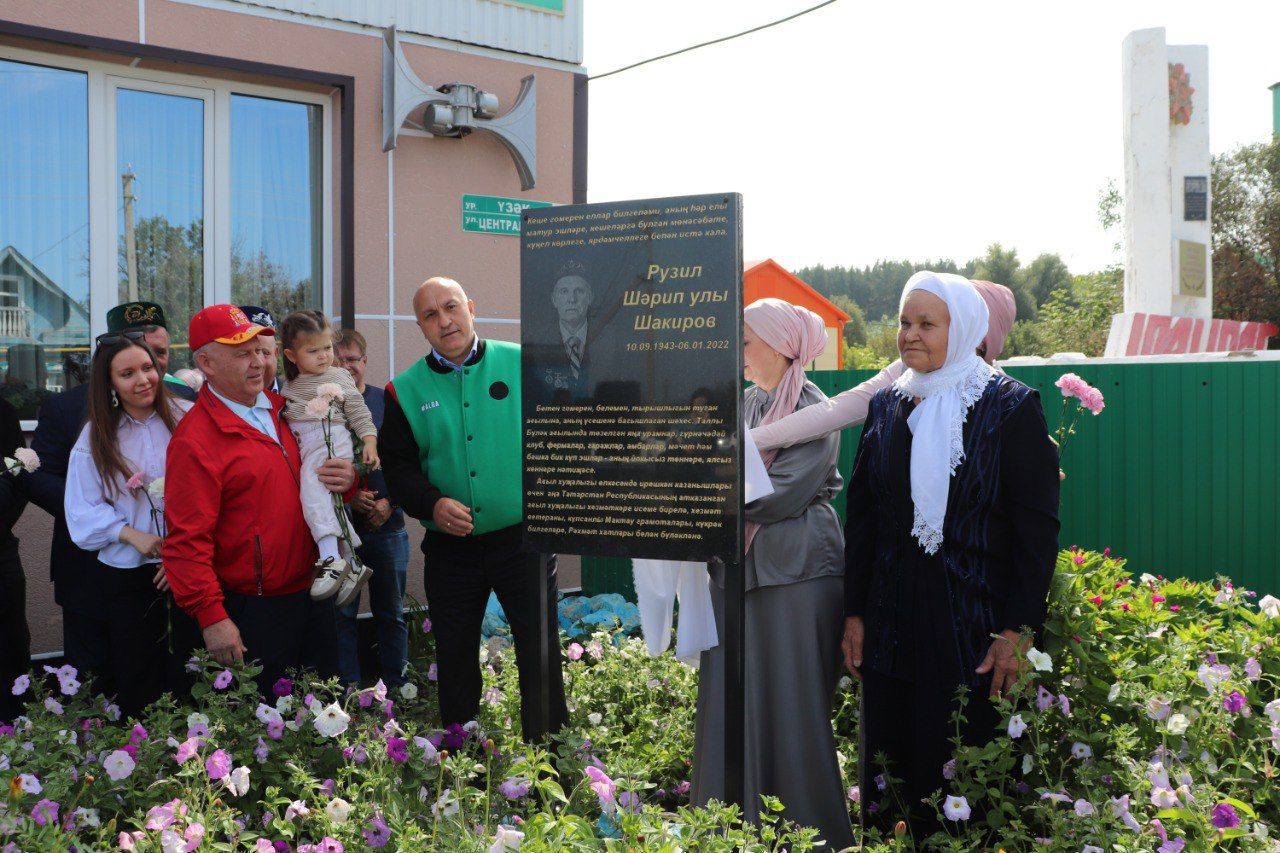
column 1178, row 474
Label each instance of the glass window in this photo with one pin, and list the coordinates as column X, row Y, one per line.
column 276, row 182
column 160, row 192
column 44, row 231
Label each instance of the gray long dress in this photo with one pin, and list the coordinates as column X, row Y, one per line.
column 795, row 616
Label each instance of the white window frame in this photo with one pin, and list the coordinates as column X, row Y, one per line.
column 103, row 79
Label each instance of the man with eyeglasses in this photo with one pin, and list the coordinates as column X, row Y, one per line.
column 385, row 547
column 59, row 422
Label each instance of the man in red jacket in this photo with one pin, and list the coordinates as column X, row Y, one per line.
column 238, row 553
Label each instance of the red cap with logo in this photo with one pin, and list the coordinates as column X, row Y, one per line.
column 223, row 324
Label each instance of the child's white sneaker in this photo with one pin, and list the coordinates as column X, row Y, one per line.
column 349, row 590
column 330, row 574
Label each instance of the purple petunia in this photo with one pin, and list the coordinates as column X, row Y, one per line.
column 1224, row 816
column 454, row 737
column 45, row 812
column 515, row 788
column 377, row 833
column 223, row 680
column 398, row 749
column 1235, row 702
column 282, row 687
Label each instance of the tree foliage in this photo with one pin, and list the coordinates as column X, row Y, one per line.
column 1246, row 233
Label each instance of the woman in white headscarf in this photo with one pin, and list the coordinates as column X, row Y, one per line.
column 950, row 541
column 794, row 569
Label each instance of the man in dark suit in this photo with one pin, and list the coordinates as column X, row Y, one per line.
column 561, row 359
column 59, row 422
column 15, row 638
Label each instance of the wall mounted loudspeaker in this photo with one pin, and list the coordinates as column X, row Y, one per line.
column 456, row 109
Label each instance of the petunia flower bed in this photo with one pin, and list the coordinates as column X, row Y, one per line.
column 1149, row 720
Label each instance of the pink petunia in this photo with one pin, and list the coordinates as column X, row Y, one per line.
column 217, row 765
column 601, row 784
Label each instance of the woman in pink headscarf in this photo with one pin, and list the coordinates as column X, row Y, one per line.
column 849, row 408
column 794, row 568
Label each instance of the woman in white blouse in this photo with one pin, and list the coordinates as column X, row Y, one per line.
column 120, row 451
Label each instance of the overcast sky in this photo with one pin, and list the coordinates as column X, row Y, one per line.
column 901, row 130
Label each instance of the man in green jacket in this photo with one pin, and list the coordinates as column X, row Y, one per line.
column 452, row 454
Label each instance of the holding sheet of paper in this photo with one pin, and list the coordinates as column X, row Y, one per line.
column 755, row 477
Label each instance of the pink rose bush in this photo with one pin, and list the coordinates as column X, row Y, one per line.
column 1147, row 719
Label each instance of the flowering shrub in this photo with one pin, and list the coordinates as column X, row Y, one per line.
column 1150, row 720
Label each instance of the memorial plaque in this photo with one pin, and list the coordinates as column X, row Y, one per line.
column 631, row 327
column 1195, row 198
column 1192, row 257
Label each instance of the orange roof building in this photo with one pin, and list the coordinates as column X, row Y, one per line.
column 766, row 278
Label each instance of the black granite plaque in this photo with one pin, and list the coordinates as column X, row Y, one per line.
column 1195, row 198
column 631, row 327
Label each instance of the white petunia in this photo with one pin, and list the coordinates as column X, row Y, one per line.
column 594, row 718
column 431, row 754
column 195, row 718
column 1016, row 726
column 1038, row 659
column 155, row 489
column 1083, row 808
column 1269, row 606
column 409, row 690
column 1164, row 798
column 118, row 764
column 1081, row 750
column 1147, row 578
column 297, row 808
column 1114, row 693
column 1272, row 710
column 446, row 806
column 332, row 721
column 1178, row 724
column 30, row 784
column 506, row 839
column 338, row 810
column 238, row 781
column 87, row 817
column 956, row 808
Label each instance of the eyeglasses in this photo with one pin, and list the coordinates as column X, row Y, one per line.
column 351, row 359
column 108, row 339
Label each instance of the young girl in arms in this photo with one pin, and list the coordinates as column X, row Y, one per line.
column 324, row 408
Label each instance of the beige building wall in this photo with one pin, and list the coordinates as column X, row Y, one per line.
column 407, row 202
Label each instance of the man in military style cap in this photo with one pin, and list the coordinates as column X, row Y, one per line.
column 267, row 320
column 148, row 317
